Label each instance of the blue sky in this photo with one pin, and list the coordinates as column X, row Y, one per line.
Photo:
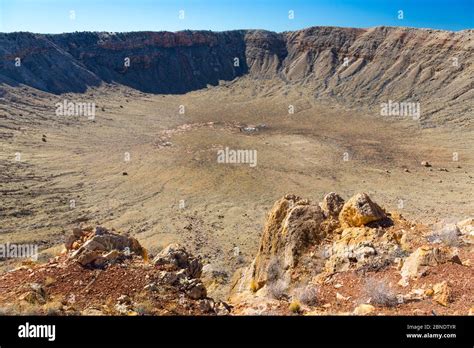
column 54, row 16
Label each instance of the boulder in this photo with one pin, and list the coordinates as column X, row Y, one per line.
column 36, row 294
column 176, row 255
column 196, row 290
column 363, row 309
column 88, row 257
column 417, row 263
column 101, row 247
column 442, row 293
column 332, row 205
column 360, row 210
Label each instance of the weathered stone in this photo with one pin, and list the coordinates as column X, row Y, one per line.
column 416, row 264
column 360, row 210
column 88, row 257
column 177, row 255
column 222, row 308
column 124, row 299
column 112, row 255
column 356, row 244
column 93, row 245
column 168, row 277
column 69, row 242
column 196, row 291
column 442, row 293
column 103, row 247
column 363, row 309
column 332, row 204
column 206, row 305
column 151, row 287
column 292, row 226
column 92, row 312
column 36, row 294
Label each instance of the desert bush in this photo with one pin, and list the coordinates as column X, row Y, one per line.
column 274, row 270
column 295, row 307
column 145, row 307
column 253, row 286
column 308, row 295
column 278, row 289
column 448, row 235
column 380, row 293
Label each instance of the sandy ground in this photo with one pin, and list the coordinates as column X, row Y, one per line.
column 173, row 158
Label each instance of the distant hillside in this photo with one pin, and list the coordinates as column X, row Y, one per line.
column 431, row 66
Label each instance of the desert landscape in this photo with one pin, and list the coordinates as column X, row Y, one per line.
column 267, row 236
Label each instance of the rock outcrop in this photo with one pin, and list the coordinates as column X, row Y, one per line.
column 305, row 246
column 292, row 226
column 425, row 256
column 296, row 227
column 100, row 247
column 103, row 272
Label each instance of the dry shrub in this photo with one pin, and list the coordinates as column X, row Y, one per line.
column 380, row 293
column 448, row 235
column 295, row 307
column 278, row 289
column 308, row 294
column 274, row 270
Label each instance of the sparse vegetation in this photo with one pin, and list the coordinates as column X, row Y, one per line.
column 380, row 293
column 278, row 289
column 274, row 270
column 145, row 307
column 253, row 286
column 448, row 235
column 308, row 294
column 295, row 307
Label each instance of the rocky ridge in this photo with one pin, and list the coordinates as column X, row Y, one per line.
column 356, row 67
column 353, row 257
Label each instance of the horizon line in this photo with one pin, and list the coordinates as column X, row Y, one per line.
column 241, row 29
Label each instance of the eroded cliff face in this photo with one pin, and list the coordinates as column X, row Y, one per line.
column 150, row 62
column 359, row 66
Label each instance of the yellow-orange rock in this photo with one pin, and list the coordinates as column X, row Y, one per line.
column 442, row 293
column 360, row 210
